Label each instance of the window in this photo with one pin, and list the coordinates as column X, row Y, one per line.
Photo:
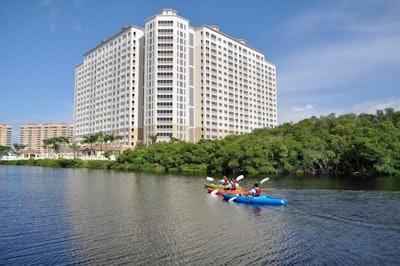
column 165, row 23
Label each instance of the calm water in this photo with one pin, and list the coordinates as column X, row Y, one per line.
column 84, row 217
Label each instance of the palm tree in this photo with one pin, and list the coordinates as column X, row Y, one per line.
column 100, row 140
column 111, row 138
column 58, row 141
column 55, row 143
column 18, row 148
column 172, row 139
column 47, row 144
column 90, row 139
column 4, row 150
column 75, row 147
column 153, row 138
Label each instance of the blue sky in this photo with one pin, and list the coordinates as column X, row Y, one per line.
column 331, row 56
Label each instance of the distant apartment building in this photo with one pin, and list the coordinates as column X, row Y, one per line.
column 172, row 80
column 5, row 135
column 33, row 135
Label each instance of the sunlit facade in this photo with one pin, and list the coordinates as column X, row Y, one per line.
column 235, row 88
column 5, row 135
column 32, row 135
column 172, row 80
column 109, row 88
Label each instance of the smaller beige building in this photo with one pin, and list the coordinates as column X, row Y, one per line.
column 33, row 135
column 5, row 135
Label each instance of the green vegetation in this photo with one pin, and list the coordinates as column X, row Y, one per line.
column 362, row 144
column 54, row 143
column 99, row 139
column 60, row 163
column 5, row 150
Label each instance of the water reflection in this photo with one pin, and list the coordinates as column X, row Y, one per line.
column 75, row 216
column 391, row 183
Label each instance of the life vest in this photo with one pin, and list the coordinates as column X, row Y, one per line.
column 258, row 191
column 226, row 181
column 233, row 185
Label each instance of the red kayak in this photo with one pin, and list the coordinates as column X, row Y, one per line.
column 226, row 191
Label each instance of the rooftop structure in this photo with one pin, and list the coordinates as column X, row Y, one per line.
column 172, row 80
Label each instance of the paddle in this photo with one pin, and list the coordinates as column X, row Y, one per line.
column 233, row 198
column 237, row 178
column 240, row 177
column 262, row 181
column 214, row 192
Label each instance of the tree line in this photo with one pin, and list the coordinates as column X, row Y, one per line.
column 54, row 144
column 15, row 149
column 364, row 144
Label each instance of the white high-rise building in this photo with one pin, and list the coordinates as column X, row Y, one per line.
column 235, row 87
column 109, row 88
column 172, row 80
column 169, row 77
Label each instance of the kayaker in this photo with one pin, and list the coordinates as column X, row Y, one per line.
column 254, row 191
column 231, row 185
column 224, row 180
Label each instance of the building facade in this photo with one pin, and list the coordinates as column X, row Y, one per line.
column 109, row 88
column 169, row 78
column 5, row 135
column 32, row 135
column 172, row 80
column 235, row 86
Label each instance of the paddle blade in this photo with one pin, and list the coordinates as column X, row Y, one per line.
column 232, row 199
column 264, row 180
column 239, row 177
column 214, row 192
column 210, row 178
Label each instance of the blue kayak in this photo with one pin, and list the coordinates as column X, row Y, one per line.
column 258, row 200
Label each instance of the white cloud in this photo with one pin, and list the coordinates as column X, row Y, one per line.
column 44, row 4
column 343, row 45
column 304, row 108
column 341, row 59
column 79, row 27
column 79, row 3
column 371, row 107
column 338, row 64
column 58, row 13
column 288, row 113
column 351, row 17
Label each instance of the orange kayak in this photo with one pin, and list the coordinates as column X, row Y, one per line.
column 226, row 191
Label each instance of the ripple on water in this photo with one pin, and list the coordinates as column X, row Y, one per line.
column 103, row 218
